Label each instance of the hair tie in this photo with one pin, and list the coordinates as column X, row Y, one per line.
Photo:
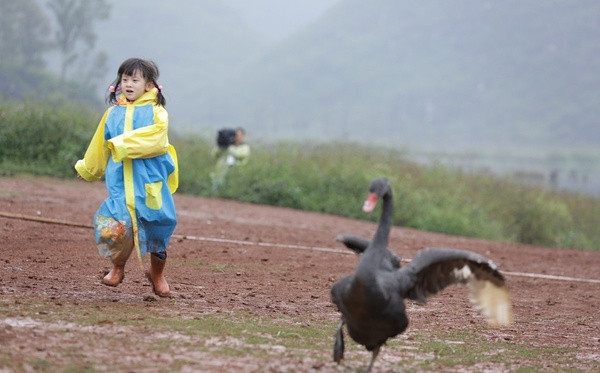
column 111, row 89
column 160, row 87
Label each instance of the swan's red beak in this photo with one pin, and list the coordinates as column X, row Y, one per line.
column 370, row 202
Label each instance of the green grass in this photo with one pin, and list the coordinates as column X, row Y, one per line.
column 158, row 329
column 329, row 178
column 333, row 178
column 468, row 347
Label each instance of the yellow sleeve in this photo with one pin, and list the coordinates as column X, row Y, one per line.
column 173, row 179
column 145, row 142
column 93, row 164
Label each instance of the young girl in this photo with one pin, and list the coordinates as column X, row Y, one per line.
column 131, row 150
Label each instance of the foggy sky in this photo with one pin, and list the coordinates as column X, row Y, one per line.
column 277, row 19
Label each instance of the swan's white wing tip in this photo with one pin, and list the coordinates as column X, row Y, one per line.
column 493, row 301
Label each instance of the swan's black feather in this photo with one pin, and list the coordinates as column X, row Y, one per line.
column 371, row 300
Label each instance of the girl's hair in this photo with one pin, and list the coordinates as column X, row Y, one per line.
column 149, row 71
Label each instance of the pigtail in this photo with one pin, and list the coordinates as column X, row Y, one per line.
column 160, row 98
column 111, row 97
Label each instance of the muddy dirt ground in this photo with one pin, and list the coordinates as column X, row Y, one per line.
column 228, row 257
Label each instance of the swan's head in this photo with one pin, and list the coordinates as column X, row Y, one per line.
column 378, row 188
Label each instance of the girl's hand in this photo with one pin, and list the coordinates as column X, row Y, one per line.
column 76, row 173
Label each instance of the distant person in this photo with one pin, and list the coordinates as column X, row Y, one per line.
column 231, row 151
column 131, row 150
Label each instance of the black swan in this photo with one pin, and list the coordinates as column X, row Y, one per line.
column 371, row 300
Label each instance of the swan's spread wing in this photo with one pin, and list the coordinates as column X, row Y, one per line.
column 359, row 245
column 432, row 270
column 355, row 243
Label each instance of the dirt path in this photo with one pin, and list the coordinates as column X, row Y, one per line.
column 231, row 258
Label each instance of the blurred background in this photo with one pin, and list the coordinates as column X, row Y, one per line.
column 483, row 114
column 507, row 86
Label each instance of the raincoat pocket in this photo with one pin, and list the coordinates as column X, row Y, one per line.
column 154, row 195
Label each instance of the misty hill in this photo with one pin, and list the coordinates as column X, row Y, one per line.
column 434, row 74
column 196, row 44
column 278, row 19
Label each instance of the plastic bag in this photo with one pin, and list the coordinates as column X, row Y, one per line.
column 113, row 232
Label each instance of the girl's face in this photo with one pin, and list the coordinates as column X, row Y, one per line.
column 133, row 86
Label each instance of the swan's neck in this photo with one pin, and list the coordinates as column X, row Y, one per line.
column 382, row 234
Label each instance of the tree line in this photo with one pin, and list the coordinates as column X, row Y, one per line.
column 32, row 32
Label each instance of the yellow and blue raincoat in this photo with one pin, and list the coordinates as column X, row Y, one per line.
column 131, row 149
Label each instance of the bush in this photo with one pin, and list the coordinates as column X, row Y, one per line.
column 44, row 139
column 298, row 176
column 542, row 222
column 332, row 178
column 195, row 162
column 430, row 211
